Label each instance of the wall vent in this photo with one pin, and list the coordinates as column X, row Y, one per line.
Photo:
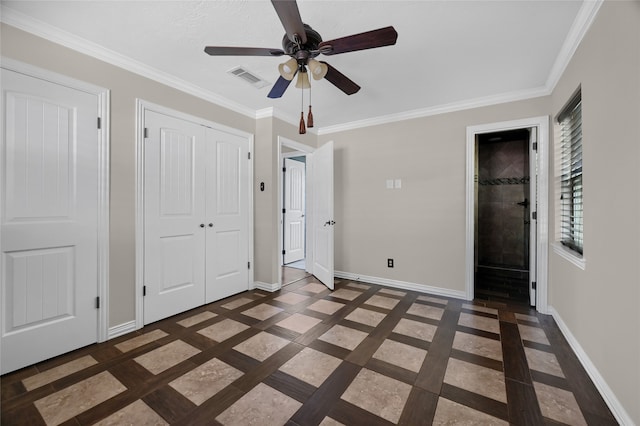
column 251, row 78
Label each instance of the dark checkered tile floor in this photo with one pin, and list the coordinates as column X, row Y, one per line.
column 361, row 355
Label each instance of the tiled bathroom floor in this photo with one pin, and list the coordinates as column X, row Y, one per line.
column 361, row 355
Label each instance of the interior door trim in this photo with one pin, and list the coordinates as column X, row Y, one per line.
column 104, row 170
column 141, row 107
column 542, row 123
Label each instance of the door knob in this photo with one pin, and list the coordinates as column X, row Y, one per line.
column 211, row 225
column 329, row 222
column 202, row 225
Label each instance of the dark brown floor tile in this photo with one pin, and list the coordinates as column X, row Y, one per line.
column 420, row 408
column 538, row 346
column 169, row 404
column 507, row 316
column 515, row 363
column 477, row 359
column 267, row 367
column 523, row 404
column 291, row 386
column 330, row 349
column 392, row 371
column 21, row 416
column 411, row 341
column 550, row 379
column 477, row 332
column 213, row 407
column 477, row 402
column 349, row 414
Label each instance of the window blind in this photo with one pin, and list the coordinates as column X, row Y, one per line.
column 571, row 218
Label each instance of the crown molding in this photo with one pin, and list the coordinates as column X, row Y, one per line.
column 439, row 109
column 41, row 29
column 272, row 112
column 585, row 17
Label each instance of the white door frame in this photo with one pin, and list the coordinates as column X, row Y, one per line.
column 542, row 123
column 104, row 179
column 285, row 156
column 302, row 150
column 141, row 107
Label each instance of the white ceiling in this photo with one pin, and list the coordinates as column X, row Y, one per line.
column 449, row 53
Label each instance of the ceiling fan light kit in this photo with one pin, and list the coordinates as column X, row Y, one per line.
column 303, row 44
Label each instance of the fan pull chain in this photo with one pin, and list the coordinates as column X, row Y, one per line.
column 310, row 116
column 302, row 130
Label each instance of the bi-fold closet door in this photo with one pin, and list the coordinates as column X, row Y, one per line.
column 196, row 201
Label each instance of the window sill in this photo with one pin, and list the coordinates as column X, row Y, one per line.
column 569, row 255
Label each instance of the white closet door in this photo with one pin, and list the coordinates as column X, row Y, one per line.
column 227, row 209
column 49, row 220
column 175, row 228
column 294, row 206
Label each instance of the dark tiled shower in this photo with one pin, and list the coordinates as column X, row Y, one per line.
column 503, row 217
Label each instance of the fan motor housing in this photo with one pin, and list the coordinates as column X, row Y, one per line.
column 310, row 48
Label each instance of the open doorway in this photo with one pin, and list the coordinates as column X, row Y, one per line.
column 503, row 216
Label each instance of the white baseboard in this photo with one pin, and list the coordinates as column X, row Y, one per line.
column 609, row 397
column 119, row 330
column 266, row 287
column 437, row 291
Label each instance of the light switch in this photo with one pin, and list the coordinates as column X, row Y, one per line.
column 389, row 183
column 398, row 183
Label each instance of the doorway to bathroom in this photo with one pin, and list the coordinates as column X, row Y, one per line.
column 504, row 203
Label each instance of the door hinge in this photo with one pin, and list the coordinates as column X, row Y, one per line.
column 284, row 211
column 534, row 215
column 284, row 252
column 146, row 132
column 248, row 265
column 98, row 302
column 144, row 290
column 248, row 156
column 284, row 170
column 99, row 123
column 534, row 285
column 535, row 146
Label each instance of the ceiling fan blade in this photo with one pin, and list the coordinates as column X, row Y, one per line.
column 377, row 38
column 340, row 80
column 242, row 51
column 289, row 15
column 279, row 88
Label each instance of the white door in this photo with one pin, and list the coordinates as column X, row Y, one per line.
column 533, row 228
column 174, row 216
column 49, row 220
column 227, row 207
column 323, row 223
column 294, row 207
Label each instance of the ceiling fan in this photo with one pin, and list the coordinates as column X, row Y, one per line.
column 303, row 44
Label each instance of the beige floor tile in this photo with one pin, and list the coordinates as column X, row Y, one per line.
column 529, row 318
column 75, row 399
column 223, row 330
column 416, row 329
column 544, row 362
column 299, row 323
column 480, row 323
column 426, row 311
column 208, row 379
column 533, row 334
column 326, row 307
column 478, row 345
column 478, row 308
column 262, row 312
column 314, row 288
column 359, row 286
column 392, row 292
column 261, row 346
column 381, row 395
column 477, row 379
column 344, row 337
column 237, row 303
column 135, row 414
column 451, row 413
column 291, row 298
column 405, row 356
column 141, row 340
column 262, row 405
column 345, row 293
column 311, row 366
column 433, row 299
column 165, row 357
column 53, row 374
column 559, row 405
column 366, row 316
column 328, row 421
column 382, row 302
column 197, row 319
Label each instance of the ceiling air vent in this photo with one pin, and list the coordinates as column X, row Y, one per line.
column 249, row 77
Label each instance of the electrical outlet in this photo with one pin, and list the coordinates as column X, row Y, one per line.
column 389, row 263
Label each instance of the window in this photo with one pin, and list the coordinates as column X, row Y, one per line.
column 570, row 171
